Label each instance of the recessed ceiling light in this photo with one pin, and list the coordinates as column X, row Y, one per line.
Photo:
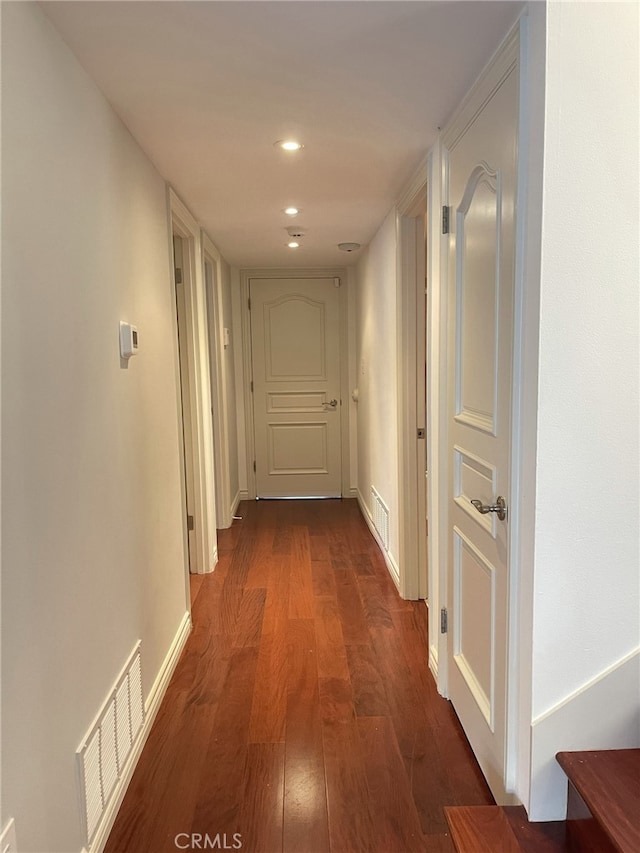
column 293, row 244
column 289, row 144
column 291, row 211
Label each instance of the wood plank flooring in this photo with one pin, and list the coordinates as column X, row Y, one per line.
column 302, row 715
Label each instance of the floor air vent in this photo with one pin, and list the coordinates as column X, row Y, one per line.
column 380, row 513
column 103, row 754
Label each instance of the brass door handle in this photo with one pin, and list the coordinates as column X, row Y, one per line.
column 500, row 507
column 332, row 405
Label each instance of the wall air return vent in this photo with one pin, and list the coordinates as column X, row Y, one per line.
column 380, row 513
column 107, row 746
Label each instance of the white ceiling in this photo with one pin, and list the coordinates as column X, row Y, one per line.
column 207, row 88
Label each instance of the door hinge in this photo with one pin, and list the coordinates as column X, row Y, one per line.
column 254, row 466
column 446, row 210
column 189, row 522
column 252, row 386
column 444, row 620
column 178, row 275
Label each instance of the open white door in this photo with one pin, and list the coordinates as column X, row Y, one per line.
column 482, row 153
column 186, row 397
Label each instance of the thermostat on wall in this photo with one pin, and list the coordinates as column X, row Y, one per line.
column 128, row 340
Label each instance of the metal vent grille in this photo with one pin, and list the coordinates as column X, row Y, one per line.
column 93, row 785
column 103, row 754
column 108, row 752
column 136, row 709
column 380, row 513
column 123, row 728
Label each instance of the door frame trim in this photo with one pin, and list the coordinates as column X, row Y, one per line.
column 508, row 56
column 335, row 272
column 436, row 415
column 185, row 226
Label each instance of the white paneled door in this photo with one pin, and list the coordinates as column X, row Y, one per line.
column 481, row 275
column 295, row 340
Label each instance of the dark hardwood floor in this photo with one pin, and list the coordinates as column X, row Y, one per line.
column 302, row 715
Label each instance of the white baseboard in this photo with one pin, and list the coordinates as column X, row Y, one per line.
column 603, row 714
column 394, row 569
column 391, row 564
column 152, row 705
column 244, row 494
column 353, row 493
column 234, row 505
column 433, row 662
column 156, row 694
column 214, row 563
column 433, row 649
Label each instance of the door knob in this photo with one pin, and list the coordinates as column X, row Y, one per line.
column 500, row 507
column 332, row 405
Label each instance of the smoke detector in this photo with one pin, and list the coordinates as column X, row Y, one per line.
column 295, row 231
column 348, row 247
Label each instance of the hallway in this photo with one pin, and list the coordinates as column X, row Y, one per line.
column 302, row 715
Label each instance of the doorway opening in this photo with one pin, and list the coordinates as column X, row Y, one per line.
column 412, row 387
column 219, row 410
column 195, row 392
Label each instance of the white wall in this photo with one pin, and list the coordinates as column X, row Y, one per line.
column 92, row 533
column 377, row 374
column 586, row 608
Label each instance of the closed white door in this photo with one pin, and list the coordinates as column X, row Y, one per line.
column 295, row 340
column 481, row 279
